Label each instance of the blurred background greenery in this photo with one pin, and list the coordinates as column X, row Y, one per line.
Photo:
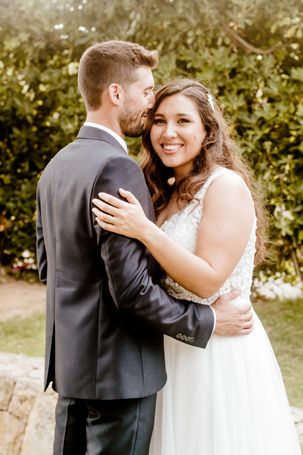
column 249, row 52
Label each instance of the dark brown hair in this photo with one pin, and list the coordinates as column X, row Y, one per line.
column 218, row 148
column 110, row 62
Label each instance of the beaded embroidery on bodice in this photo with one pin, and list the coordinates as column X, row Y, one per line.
column 182, row 228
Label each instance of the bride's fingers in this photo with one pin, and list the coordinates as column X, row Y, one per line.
column 103, row 217
column 96, row 212
column 106, row 207
column 112, row 200
column 246, row 331
column 129, row 196
column 107, row 226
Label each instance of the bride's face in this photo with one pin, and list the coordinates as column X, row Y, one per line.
column 177, row 133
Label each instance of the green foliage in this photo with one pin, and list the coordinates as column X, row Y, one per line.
column 246, row 51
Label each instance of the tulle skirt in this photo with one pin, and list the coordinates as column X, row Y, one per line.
column 227, row 399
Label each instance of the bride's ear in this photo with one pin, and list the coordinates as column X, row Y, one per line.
column 115, row 94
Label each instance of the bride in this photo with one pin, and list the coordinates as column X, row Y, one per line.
column 228, row 399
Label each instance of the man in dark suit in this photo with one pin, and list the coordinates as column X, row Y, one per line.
column 105, row 311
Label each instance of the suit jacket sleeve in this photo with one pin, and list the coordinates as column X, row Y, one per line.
column 126, row 263
column 40, row 246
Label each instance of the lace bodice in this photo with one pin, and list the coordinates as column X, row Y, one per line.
column 182, row 228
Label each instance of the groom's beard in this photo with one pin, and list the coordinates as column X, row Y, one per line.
column 132, row 124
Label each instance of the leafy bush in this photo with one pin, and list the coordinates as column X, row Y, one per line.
column 247, row 52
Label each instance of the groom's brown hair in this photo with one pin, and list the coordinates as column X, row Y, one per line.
column 110, row 62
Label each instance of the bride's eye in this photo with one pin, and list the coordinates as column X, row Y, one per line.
column 183, row 120
column 158, row 121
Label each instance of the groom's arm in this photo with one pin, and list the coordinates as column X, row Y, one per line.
column 126, row 263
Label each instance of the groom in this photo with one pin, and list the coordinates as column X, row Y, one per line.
column 105, row 311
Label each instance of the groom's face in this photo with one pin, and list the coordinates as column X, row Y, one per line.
column 139, row 98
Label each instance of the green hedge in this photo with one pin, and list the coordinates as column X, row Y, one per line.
column 247, row 51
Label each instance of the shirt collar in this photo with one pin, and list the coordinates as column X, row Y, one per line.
column 109, row 131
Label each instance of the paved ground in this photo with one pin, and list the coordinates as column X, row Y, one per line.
column 20, row 299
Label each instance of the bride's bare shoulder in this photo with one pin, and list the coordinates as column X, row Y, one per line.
column 228, row 191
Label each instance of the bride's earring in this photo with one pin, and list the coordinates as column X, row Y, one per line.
column 171, row 181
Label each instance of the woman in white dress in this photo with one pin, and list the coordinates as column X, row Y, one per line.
column 228, row 399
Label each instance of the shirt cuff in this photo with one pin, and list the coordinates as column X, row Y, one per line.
column 214, row 313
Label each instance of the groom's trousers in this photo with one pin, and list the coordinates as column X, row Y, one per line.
column 104, row 427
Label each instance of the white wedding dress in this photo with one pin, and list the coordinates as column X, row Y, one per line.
column 227, row 399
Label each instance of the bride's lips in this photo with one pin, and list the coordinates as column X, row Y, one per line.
column 170, row 149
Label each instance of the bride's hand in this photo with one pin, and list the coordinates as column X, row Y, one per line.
column 120, row 217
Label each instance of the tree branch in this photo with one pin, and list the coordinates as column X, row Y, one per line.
column 247, row 46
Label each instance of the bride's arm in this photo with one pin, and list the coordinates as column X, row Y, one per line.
column 228, row 214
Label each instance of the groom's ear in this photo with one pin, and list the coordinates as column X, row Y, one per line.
column 115, row 93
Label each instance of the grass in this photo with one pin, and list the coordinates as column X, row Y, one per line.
column 282, row 320
column 23, row 336
column 284, row 325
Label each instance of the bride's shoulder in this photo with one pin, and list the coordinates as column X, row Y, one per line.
column 227, row 188
column 224, row 179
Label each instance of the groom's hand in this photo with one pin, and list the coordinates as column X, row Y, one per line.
column 232, row 317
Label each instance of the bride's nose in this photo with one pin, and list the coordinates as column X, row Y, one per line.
column 170, row 130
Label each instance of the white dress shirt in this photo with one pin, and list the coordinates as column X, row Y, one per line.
column 109, row 131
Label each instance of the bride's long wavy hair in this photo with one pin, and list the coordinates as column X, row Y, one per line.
column 218, row 148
